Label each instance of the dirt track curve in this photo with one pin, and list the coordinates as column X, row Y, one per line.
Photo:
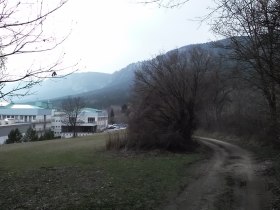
column 226, row 181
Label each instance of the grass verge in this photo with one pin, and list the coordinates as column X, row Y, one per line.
column 78, row 174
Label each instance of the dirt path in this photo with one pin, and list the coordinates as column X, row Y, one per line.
column 227, row 181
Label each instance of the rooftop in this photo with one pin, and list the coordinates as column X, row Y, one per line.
column 7, row 105
column 91, row 110
column 22, row 109
column 24, row 106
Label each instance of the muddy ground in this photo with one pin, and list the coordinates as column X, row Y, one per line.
column 230, row 179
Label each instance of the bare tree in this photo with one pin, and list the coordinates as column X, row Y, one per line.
column 72, row 107
column 22, row 29
column 167, row 93
column 217, row 96
column 253, row 28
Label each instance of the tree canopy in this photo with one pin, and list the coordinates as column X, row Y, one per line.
column 167, row 94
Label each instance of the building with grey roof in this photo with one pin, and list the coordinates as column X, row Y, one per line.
column 24, row 115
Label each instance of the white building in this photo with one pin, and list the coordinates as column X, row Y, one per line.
column 57, row 118
column 99, row 117
column 88, row 122
column 23, row 116
column 15, row 115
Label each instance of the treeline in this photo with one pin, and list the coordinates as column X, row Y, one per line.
column 15, row 136
column 178, row 92
column 234, row 91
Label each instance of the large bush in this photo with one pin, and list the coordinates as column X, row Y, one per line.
column 167, row 95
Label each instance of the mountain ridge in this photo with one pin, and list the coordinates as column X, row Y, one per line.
column 104, row 89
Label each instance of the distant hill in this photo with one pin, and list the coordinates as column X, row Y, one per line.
column 73, row 84
column 101, row 90
column 116, row 92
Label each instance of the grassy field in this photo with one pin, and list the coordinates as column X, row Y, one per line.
column 79, row 174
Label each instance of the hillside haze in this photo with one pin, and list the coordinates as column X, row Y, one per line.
column 73, row 84
column 101, row 89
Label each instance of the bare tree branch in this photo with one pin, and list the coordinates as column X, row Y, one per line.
column 166, row 3
column 72, row 107
column 22, row 32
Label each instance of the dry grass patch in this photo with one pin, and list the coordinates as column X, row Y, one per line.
column 117, row 140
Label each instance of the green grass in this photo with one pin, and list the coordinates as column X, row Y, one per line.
column 51, row 153
column 79, row 174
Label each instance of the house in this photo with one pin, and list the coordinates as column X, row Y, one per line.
column 88, row 122
column 23, row 116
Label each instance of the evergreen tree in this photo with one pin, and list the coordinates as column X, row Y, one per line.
column 41, row 138
column 30, row 135
column 124, row 108
column 48, row 135
column 14, row 136
column 112, row 116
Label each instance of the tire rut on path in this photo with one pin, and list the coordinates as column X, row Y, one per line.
column 226, row 181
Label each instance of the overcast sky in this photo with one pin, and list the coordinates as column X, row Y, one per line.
column 107, row 35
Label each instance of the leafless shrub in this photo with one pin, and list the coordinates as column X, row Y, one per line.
column 168, row 92
column 253, row 29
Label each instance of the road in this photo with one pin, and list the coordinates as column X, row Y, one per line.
column 228, row 180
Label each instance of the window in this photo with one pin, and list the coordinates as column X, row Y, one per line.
column 91, row 119
column 34, row 117
column 21, row 117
